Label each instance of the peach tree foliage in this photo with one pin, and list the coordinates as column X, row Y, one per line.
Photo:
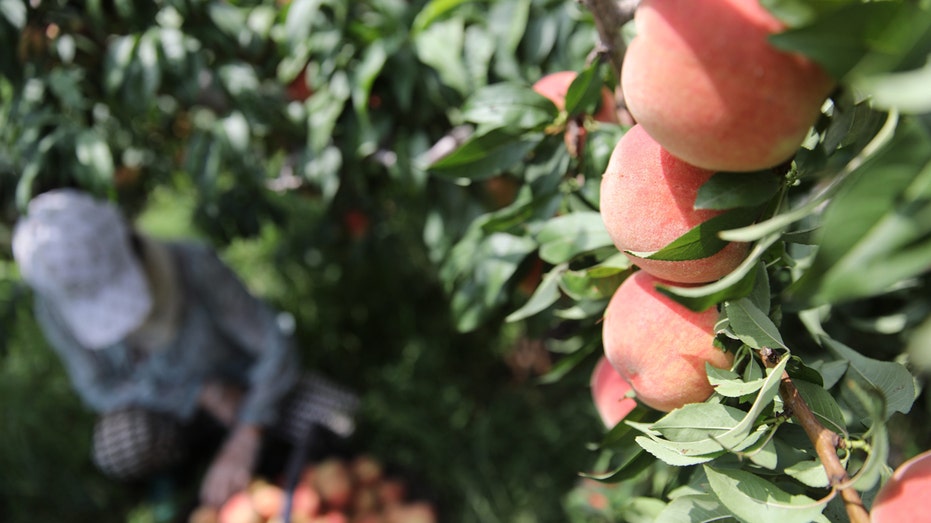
column 189, row 101
column 835, row 289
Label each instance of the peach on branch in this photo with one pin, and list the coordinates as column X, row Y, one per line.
column 555, row 86
column 903, row 495
column 648, row 200
column 659, row 346
column 609, row 393
column 703, row 79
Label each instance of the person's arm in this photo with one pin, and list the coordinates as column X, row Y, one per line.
column 251, row 325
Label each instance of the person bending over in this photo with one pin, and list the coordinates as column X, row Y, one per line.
column 154, row 334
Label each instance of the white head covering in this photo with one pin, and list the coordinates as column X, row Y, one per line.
column 76, row 252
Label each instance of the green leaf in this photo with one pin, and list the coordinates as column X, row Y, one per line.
column 875, row 465
column 764, row 455
column 809, row 472
column 729, row 384
column 15, row 12
column 93, row 154
column 752, row 498
column 726, row 190
column 798, row 12
column 702, row 240
column 485, row 155
column 698, row 421
column 433, row 11
column 581, row 285
column 877, row 230
column 636, row 463
column 669, row 455
column 694, row 508
column 906, row 92
column 873, row 36
column 823, row 405
column 739, row 437
column 564, row 237
column 546, row 294
column 584, row 92
column 738, row 284
column 441, row 46
column 888, row 377
column 752, row 325
column 512, row 106
column 612, row 265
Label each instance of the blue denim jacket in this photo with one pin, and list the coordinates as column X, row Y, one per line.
column 225, row 333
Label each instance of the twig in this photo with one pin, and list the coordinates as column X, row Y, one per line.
column 826, row 442
column 610, row 16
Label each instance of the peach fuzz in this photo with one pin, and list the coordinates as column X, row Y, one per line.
column 555, row 86
column 609, row 393
column 648, row 200
column 704, row 81
column 659, row 346
column 903, row 495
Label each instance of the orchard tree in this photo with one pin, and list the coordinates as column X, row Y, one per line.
column 749, row 248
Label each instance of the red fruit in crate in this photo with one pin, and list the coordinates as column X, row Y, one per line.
column 238, row 509
column 332, row 480
column 414, row 512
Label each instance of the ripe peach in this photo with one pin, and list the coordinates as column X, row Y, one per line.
column 702, row 78
column 331, row 479
column 365, row 469
column 204, row 514
column 305, row 501
column 902, row 497
column 659, row 346
column 391, row 491
column 267, row 499
column 331, row 517
column 648, row 200
column 608, row 393
column 555, row 86
column 238, row 509
column 413, row 512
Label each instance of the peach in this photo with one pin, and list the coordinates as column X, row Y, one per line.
column 365, row 469
column 238, row 509
column 648, row 200
column 608, row 393
column 555, row 86
column 391, row 491
column 267, row 499
column 903, row 495
column 332, row 480
column 305, row 501
column 659, row 346
column 704, row 81
column 413, row 512
column 204, row 514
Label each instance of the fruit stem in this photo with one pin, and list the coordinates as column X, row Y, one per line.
column 826, row 442
column 609, row 17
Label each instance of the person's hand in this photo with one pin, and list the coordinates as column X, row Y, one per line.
column 231, row 470
column 221, row 400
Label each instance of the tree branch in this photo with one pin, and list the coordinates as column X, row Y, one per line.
column 610, row 16
column 826, row 442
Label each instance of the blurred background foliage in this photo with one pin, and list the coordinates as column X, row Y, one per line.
column 294, row 137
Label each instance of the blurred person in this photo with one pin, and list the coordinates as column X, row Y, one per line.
column 157, row 334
